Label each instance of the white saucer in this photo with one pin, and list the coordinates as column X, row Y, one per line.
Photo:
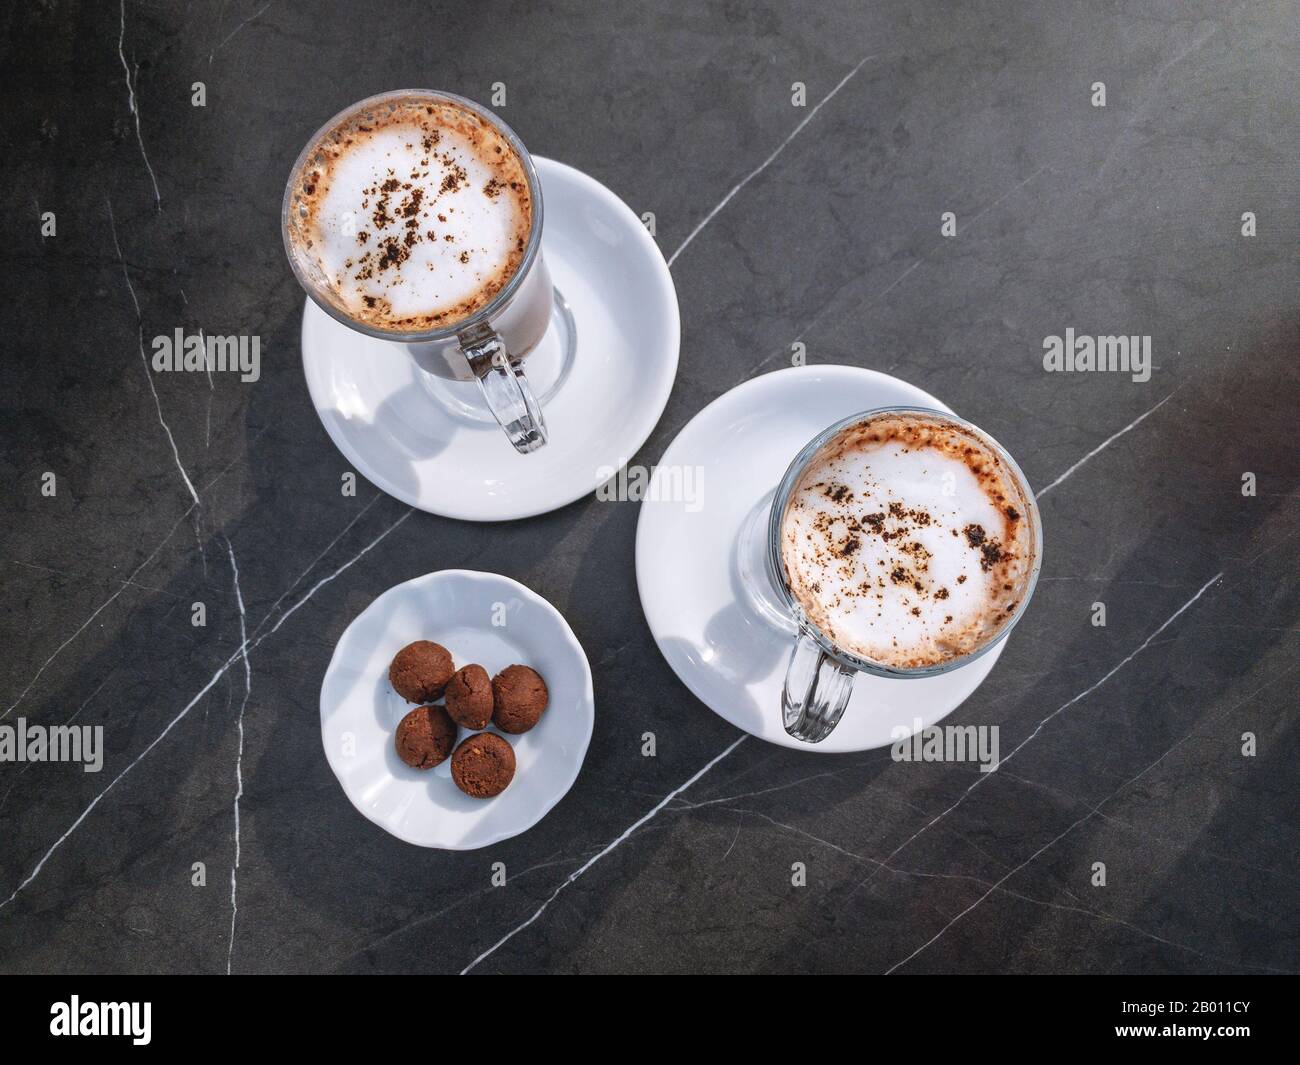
column 380, row 411
column 359, row 710
column 728, row 646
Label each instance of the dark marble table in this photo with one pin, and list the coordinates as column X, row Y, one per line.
column 823, row 226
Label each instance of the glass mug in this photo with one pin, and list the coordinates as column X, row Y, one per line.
column 819, row 678
column 489, row 346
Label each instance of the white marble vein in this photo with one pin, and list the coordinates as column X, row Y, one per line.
column 226, row 40
column 963, row 226
column 98, row 610
column 1148, row 94
column 998, row 887
column 768, row 161
column 144, row 360
column 328, row 548
column 1042, row 850
column 135, row 108
column 1105, row 444
column 602, row 853
column 727, row 799
column 148, row 376
column 221, row 671
column 969, row 223
column 239, row 755
column 129, row 582
column 115, row 781
column 326, row 580
column 1055, row 713
column 1178, row 846
column 428, row 918
column 892, row 285
column 207, row 417
column 88, row 578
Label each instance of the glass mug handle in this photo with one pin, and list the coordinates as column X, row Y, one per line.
column 817, row 689
column 505, row 389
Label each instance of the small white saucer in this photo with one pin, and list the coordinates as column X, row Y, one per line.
column 386, row 416
column 700, row 569
column 478, row 617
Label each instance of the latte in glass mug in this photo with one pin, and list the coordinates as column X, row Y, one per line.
column 412, row 214
column 415, row 217
column 908, row 541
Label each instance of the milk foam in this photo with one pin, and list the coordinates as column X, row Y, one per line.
column 413, row 217
column 907, row 541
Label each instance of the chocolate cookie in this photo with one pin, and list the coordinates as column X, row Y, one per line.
column 420, row 671
column 469, row 697
column 520, row 696
column 483, row 765
column 425, row 737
